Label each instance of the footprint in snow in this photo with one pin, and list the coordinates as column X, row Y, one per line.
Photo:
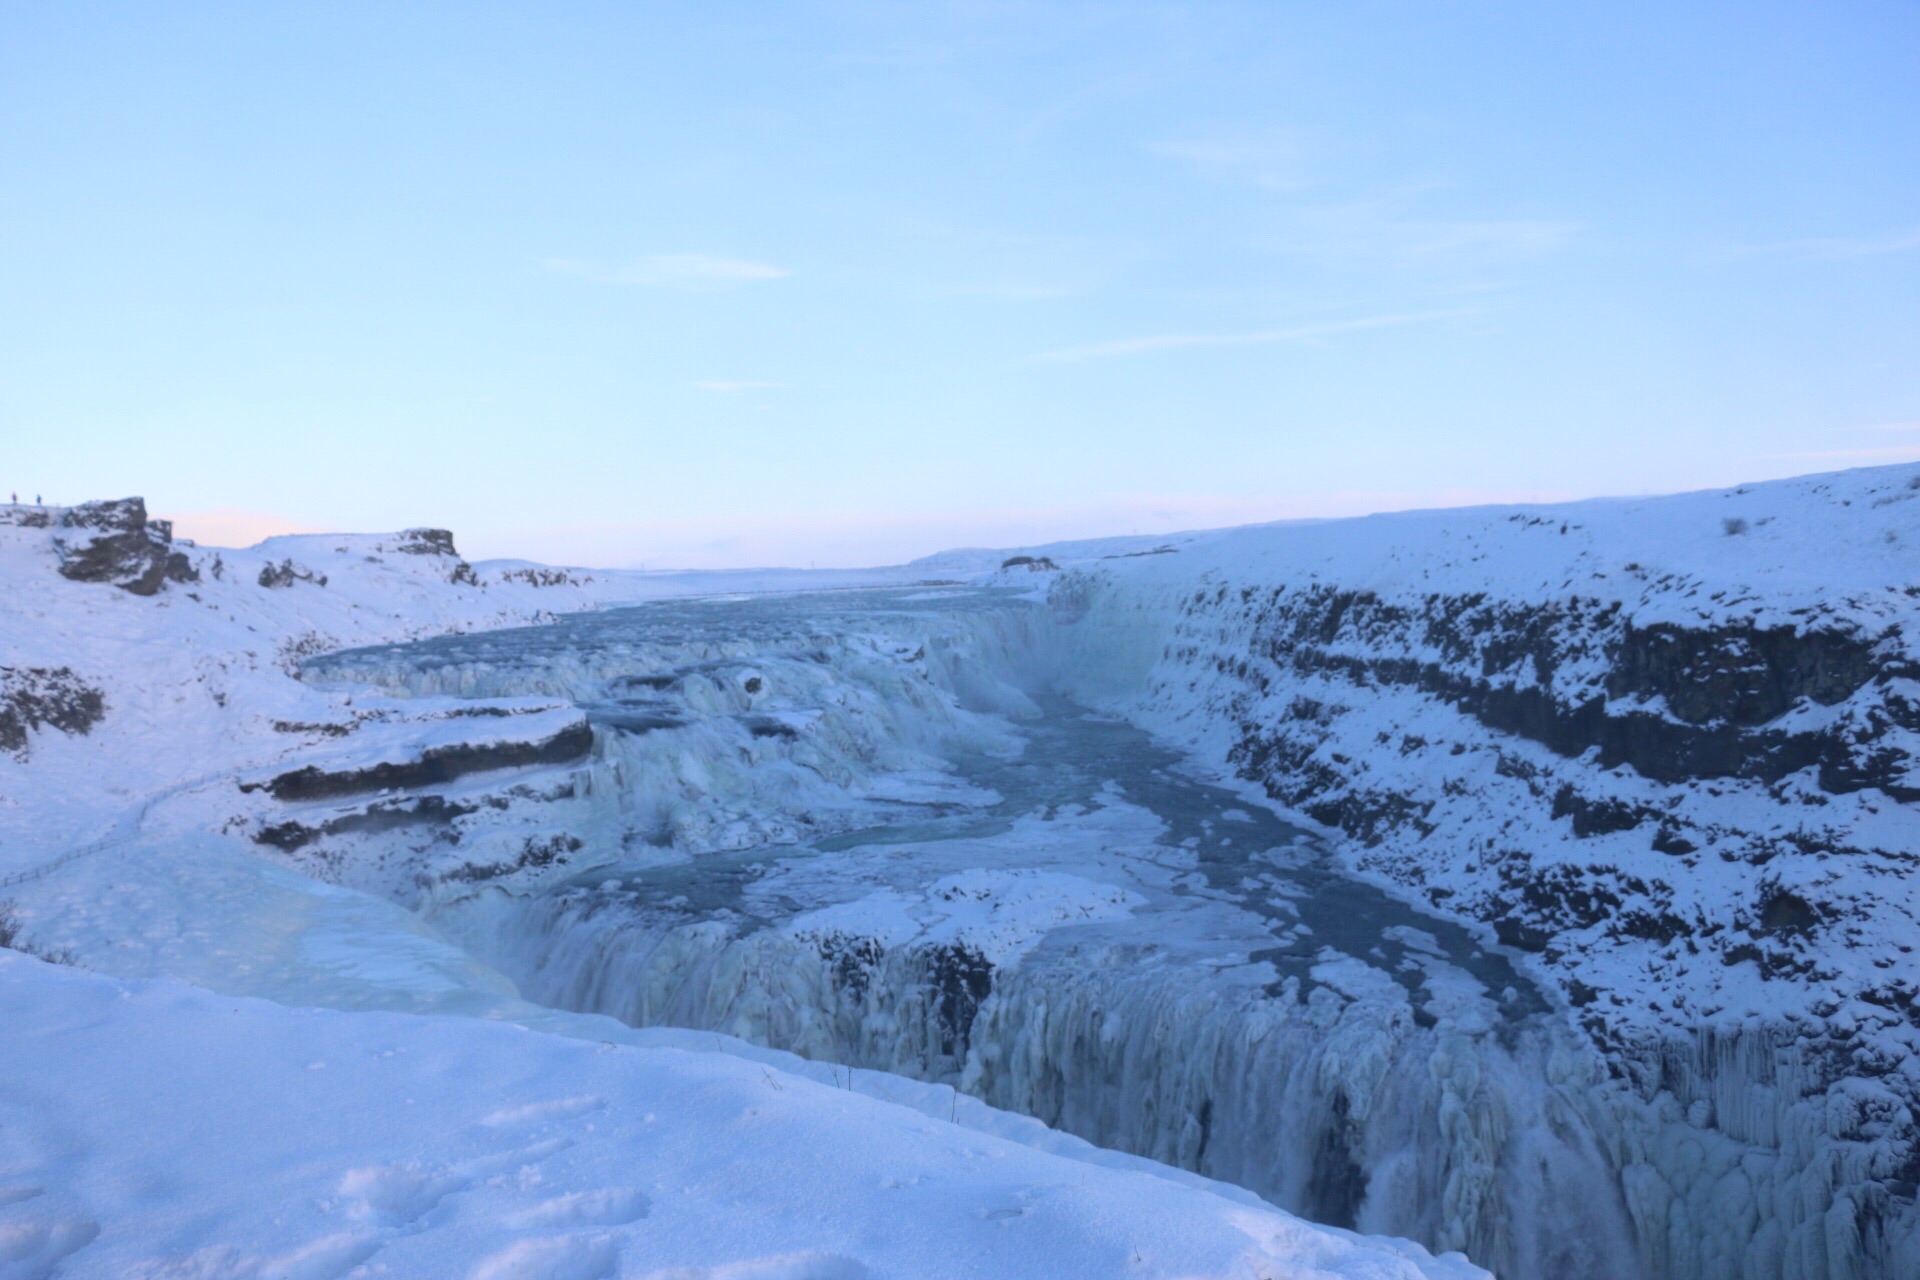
column 328, row 1258
column 395, row 1195
column 610, row 1208
column 539, row 1112
column 490, row 1167
column 552, row 1258
column 31, row 1250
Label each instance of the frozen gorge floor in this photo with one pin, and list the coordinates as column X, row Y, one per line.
column 1139, row 958
column 1120, row 950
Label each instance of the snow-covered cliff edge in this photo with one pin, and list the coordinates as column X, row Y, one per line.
column 1664, row 746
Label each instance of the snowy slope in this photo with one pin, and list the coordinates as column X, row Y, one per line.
column 1664, row 747
column 223, row 1130
column 161, row 1130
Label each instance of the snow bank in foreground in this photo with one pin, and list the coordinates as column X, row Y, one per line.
column 160, row 1130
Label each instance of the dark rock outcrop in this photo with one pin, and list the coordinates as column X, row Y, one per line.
column 286, row 573
column 539, row 576
column 1673, row 704
column 432, row 767
column 536, row 854
column 437, row 542
column 426, row 542
column 376, row 818
column 25, row 517
column 114, row 542
column 50, row 697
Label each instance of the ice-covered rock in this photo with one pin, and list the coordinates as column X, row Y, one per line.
column 45, row 697
column 114, row 542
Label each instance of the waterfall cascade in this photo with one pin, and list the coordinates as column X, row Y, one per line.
column 779, row 848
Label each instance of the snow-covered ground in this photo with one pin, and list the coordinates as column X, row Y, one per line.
column 1646, row 766
column 255, row 1067
column 162, row 1130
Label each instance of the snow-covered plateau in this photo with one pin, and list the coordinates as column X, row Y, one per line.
column 1534, row 883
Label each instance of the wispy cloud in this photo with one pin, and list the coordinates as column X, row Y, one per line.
column 1258, row 337
column 1385, row 229
column 696, row 271
column 1833, row 248
column 1276, row 161
column 724, row 387
column 1389, row 226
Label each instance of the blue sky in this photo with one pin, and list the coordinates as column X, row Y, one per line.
column 845, row 283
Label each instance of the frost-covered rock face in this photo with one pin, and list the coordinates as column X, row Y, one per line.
column 114, row 542
column 437, row 543
column 429, row 749
column 40, row 697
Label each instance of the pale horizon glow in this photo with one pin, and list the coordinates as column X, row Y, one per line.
column 843, row 283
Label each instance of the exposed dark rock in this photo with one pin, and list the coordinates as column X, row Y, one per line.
column 328, row 729
column 1721, row 688
column 539, row 576
column 1033, row 564
column 50, row 697
column 665, row 681
column 1669, row 840
column 853, row 957
column 1745, row 676
column 1782, row 911
column 536, row 852
column 437, row 542
column 286, row 573
column 963, row 978
column 114, row 542
column 770, row 727
column 426, row 542
column 384, row 816
column 1338, row 1184
column 1597, row 817
column 432, row 767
